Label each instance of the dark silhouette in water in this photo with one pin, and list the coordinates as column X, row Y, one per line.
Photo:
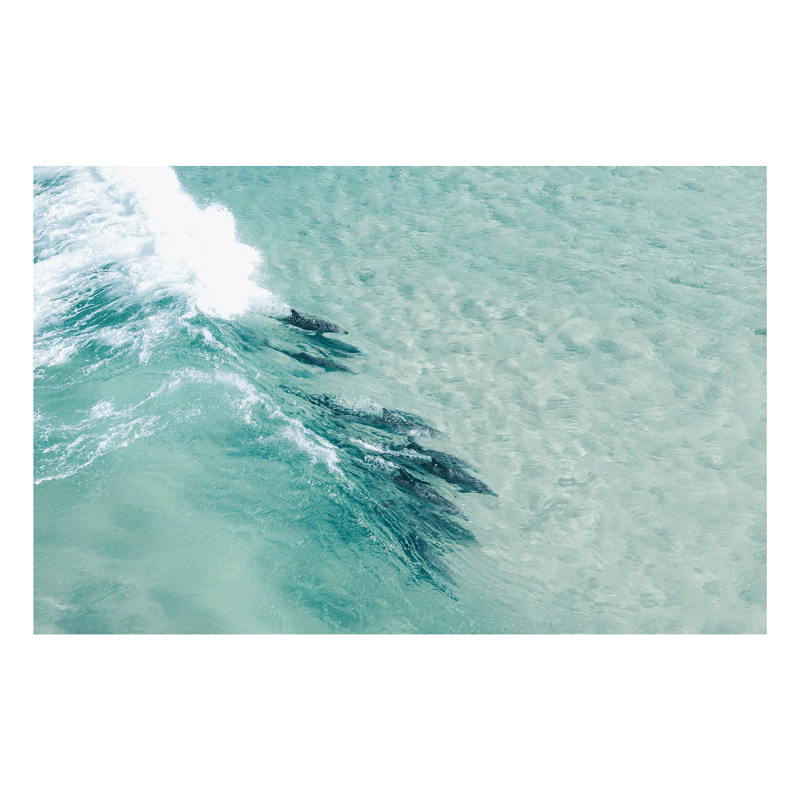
column 407, row 424
column 381, row 418
column 425, row 538
column 406, row 481
column 339, row 347
column 441, row 465
column 442, row 529
column 456, row 476
column 308, row 323
column 251, row 340
column 305, row 358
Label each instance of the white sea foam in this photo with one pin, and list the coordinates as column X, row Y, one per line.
column 249, row 395
column 314, row 446
column 362, row 406
column 105, row 408
column 70, row 457
column 246, row 397
column 104, row 428
column 53, row 352
column 187, row 247
column 382, row 463
column 136, row 234
column 375, row 448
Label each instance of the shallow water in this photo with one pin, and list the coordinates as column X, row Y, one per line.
column 587, row 343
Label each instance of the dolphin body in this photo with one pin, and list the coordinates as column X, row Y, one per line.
column 441, row 529
column 406, row 481
column 381, row 418
column 304, row 358
column 442, row 465
column 308, row 323
column 336, row 345
column 406, row 423
column 456, row 476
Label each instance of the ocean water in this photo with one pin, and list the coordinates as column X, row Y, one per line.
column 548, row 413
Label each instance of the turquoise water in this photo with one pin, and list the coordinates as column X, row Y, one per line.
column 548, row 414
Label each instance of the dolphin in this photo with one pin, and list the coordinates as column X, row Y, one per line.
column 381, row 418
column 337, row 346
column 406, row 423
column 308, row 323
column 304, row 358
column 442, row 465
column 456, row 476
column 440, row 528
column 406, row 481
